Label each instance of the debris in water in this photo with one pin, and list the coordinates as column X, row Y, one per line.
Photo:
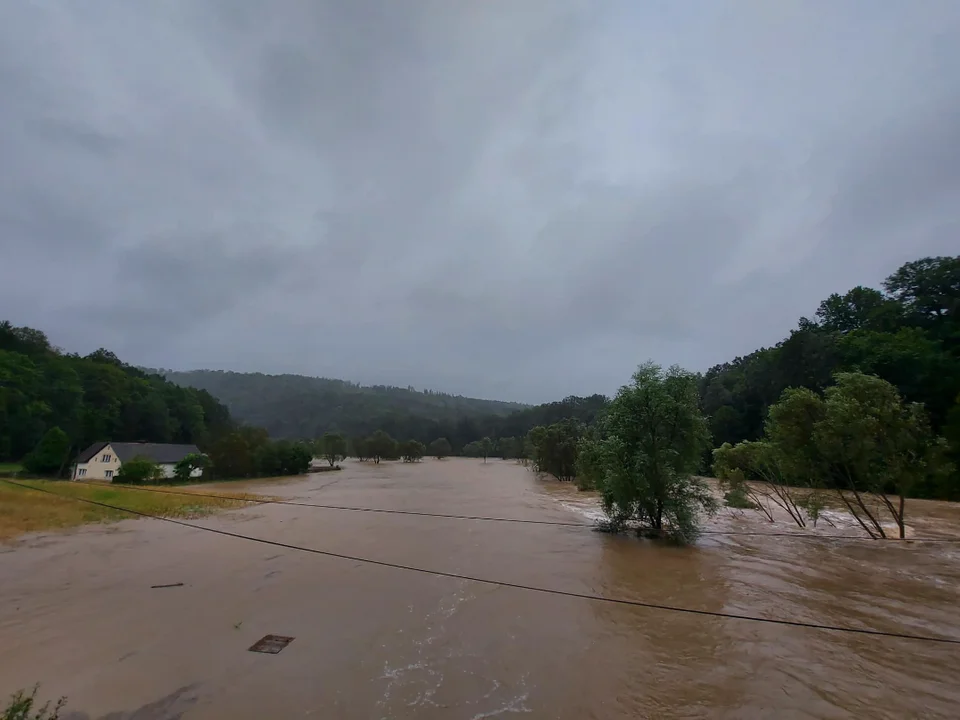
column 271, row 644
column 154, row 587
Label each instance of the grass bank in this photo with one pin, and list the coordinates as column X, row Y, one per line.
column 23, row 510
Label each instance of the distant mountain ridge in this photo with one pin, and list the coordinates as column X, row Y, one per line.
column 299, row 406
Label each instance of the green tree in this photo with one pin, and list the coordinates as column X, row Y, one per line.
column 381, row 446
column 472, row 449
column 361, row 448
column 508, row 448
column 412, row 451
column 929, row 287
column 440, row 448
column 50, row 455
column 589, row 463
column 654, row 437
column 861, row 441
column 555, row 448
column 138, row 471
column 486, row 447
column 184, row 469
column 752, row 476
column 334, row 447
column 861, row 308
column 234, row 454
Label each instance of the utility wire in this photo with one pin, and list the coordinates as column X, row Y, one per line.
column 498, row 583
column 523, row 521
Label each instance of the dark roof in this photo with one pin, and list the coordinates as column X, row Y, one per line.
column 162, row 453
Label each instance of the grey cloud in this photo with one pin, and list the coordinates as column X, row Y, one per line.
column 507, row 199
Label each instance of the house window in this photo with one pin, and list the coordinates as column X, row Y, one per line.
column 81, row 472
column 108, row 474
column 107, row 457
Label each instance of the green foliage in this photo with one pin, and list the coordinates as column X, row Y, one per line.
column 486, row 447
column 249, row 452
column 382, row 446
column 509, row 447
column 737, row 497
column 92, row 398
column 589, row 464
column 282, row 457
column 654, row 437
column 360, row 447
column 440, row 448
column 555, row 448
column 472, row 449
column 183, row 470
column 861, row 441
column 908, row 334
column 51, row 454
column 412, row 451
column 23, row 706
column 138, row 471
column 333, row 447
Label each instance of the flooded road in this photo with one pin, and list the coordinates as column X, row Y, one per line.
column 78, row 614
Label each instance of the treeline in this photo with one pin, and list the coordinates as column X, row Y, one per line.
column 907, row 333
column 92, row 398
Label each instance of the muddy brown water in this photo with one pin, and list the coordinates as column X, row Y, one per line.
column 78, row 615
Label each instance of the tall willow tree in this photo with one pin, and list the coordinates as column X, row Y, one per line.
column 653, row 438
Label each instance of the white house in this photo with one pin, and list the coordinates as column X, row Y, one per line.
column 102, row 460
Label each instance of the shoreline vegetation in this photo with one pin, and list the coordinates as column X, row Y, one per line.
column 860, row 406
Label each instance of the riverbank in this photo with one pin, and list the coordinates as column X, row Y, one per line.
column 24, row 508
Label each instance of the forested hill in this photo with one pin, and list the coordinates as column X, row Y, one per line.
column 295, row 406
column 92, row 398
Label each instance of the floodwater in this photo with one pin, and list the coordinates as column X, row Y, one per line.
column 78, row 614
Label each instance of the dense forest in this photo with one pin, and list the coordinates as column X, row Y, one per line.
column 907, row 333
column 92, row 398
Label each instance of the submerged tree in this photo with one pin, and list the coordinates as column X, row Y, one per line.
column 860, row 441
column 486, row 447
column 381, row 446
column 654, row 438
column 440, row 448
column 753, row 471
column 333, row 448
column 412, row 451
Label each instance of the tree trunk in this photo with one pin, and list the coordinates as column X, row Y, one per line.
column 900, row 518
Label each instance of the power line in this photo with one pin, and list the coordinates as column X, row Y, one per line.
column 522, row 521
column 498, row 583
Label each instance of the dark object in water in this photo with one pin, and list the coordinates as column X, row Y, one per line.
column 271, row 644
column 154, row 587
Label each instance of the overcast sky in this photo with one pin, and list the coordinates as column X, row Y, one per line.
column 518, row 199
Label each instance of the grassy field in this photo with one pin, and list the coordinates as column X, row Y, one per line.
column 10, row 468
column 23, row 510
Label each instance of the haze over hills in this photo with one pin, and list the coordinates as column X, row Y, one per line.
column 298, row 406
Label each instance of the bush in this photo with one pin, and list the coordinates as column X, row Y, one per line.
column 21, row 707
column 736, row 497
column 50, row 455
column 138, row 471
column 184, row 469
